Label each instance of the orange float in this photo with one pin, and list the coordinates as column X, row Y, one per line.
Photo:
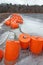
column 35, row 45
column 1, row 54
column 8, row 22
column 24, row 40
column 41, row 39
column 12, row 50
column 14, row 25
column 19, row 21
column 13, row 19
column 17, row 18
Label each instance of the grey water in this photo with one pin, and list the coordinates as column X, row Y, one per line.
column 33, row 25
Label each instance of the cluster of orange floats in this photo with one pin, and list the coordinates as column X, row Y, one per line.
column 14, row 21
column 34, row 43
column 25, row 41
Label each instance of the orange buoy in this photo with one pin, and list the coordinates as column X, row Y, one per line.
column 24, row 40
column 35, row 45
column 8, row 22
column 12, row 50
column 19, row 21
column 15, row 15
column 41, row 39
column 14, row 25
column 17, row 18
column 13, row 19
column 1, row 54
